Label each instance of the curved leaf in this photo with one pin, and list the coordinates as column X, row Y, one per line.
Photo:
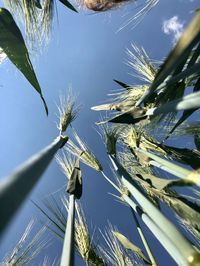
column 13, row 45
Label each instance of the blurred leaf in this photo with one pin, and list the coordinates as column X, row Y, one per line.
column 130, row 246
column 13, row 45
column 38, row 4
column 177, row 56
column 68, row 4
column 186, row 113
column 183, row 155
column 197, row 141
column 188, row 102
column 189, row 213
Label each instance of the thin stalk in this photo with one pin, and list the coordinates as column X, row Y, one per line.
column 67, row 258
column 15, row 188
column 144, row 241
column 178, row 241
column 112, row 183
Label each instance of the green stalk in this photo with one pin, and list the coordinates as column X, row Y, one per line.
column 158, row 233
column 15, row 188
column 169, row 166
column 178, row 241
column 165, row 168
column 144, row 241
column 67, row 258
column 153, row 227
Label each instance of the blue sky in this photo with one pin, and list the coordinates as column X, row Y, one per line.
column 85, row 52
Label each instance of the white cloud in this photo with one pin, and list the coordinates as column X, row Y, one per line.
column 174, row 27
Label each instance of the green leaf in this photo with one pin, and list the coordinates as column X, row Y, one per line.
column 69, row 5
column 130, row 246
column 13, row 45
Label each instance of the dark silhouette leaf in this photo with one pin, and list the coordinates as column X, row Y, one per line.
column 74, row 186
column 69, row 5
column 13, row 45
column 177, row 56
column 186, row 113
column 38, row 4
column 123, row 85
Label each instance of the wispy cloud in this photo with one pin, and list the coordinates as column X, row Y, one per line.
column 173, row 26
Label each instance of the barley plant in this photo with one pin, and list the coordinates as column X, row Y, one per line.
column 139, row 154
column 147, row 172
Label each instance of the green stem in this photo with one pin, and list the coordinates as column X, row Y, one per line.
column 67, row 258
column 144, row 241
column 156, row 230
column 172, row 168
column 179, row 244
column 15, row 188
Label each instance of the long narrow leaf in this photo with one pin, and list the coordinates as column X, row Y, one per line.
column 13, row 45
column 69, row 5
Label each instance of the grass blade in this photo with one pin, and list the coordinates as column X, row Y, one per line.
column 13, row 45
column 69, row 5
